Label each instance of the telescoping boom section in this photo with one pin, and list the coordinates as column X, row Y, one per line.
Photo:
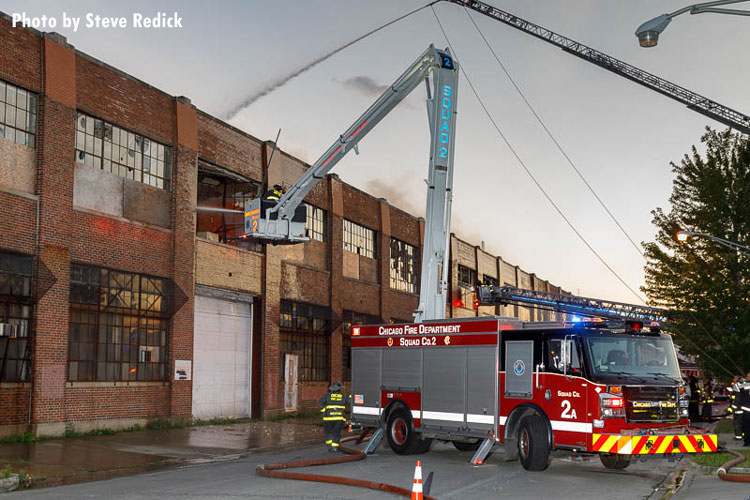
column 283, row 221
column 584, row 388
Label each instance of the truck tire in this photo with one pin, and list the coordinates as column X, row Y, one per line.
column 463, row 446
column 400, row 432
column 423, row 445
column 614, row 461
column 533, row 446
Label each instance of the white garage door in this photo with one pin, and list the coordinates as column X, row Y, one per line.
column 222, row 354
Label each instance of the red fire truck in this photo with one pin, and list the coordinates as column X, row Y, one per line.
column 610, row 387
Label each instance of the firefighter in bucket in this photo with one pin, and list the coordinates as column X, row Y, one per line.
column 333, row 407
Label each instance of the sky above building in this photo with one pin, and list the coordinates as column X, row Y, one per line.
column 621, row 136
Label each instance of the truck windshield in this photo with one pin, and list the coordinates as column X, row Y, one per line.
column 652, row 357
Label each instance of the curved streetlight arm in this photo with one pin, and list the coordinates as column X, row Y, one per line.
column 701, row 8
column 648, row 32
column 734, row 246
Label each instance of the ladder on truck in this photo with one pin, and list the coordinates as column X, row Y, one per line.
column 698, row 103
column 489, row 295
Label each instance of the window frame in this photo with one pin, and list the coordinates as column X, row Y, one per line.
column 10, row 104
column 462, row 277
column 316, row 223
column 16, row 316
column 359, row 239
column 231, row 227
column 305, row 330
column 404, row 264
column 131, row 312
column 151, row 162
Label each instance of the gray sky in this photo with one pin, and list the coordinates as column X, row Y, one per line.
column 620, row 135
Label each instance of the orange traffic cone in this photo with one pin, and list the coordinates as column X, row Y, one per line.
column 416, row 490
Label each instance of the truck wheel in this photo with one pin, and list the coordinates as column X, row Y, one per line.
column 423, row 445
column 614, row 461
column 533, row 447
column 400, row 432
column 463, row 446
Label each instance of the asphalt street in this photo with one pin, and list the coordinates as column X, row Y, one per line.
column 453, row 479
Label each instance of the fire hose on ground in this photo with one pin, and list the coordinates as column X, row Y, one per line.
column 277, row 470
column 723, row 471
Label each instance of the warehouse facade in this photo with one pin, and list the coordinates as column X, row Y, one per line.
column 121, row 301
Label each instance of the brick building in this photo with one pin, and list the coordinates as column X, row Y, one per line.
column 120, row 302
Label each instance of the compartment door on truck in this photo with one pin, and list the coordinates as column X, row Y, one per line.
column 568, row 390
column 519, row 369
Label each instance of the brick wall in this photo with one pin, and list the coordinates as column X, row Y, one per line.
column 20, row 57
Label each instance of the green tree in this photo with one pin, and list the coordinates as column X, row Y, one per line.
column 707, row 283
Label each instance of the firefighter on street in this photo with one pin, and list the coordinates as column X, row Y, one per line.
column 695, row 393
column 734, row 408
column 744, row 404
column 707, row 398
column 333, row 407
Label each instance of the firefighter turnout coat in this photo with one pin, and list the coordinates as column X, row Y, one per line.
column 333, row 406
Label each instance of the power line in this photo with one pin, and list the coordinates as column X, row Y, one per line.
column 528, row 172
column 553, row 138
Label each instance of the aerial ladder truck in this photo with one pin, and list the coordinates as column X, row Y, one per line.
column 611, row 388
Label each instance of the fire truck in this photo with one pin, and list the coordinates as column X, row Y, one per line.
column 610, row 387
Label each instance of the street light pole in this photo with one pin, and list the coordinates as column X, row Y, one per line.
column 684, row 235
column 648, row 32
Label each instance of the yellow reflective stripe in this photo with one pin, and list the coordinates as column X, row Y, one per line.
column 334, row 418
column 335, row 445
column 329, row 441
column 334, row 406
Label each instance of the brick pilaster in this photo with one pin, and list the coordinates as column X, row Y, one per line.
column 337, row 271
column 55, row 153
column 184, row 195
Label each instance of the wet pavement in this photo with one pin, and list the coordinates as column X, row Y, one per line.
column 70, row 460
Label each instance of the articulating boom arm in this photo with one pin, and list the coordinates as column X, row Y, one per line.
column 284, row 222
column 569, row 304
column 696, row 102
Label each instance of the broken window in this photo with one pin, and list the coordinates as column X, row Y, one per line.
column 118, row 326
column 315, row 224
column 16, row 307
column 17, row 114
column 105, row 146
column 359, row 239
column 306, row 331
column 403, row 266
column 467, row 280
column 349, row 319
column 223, row 189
